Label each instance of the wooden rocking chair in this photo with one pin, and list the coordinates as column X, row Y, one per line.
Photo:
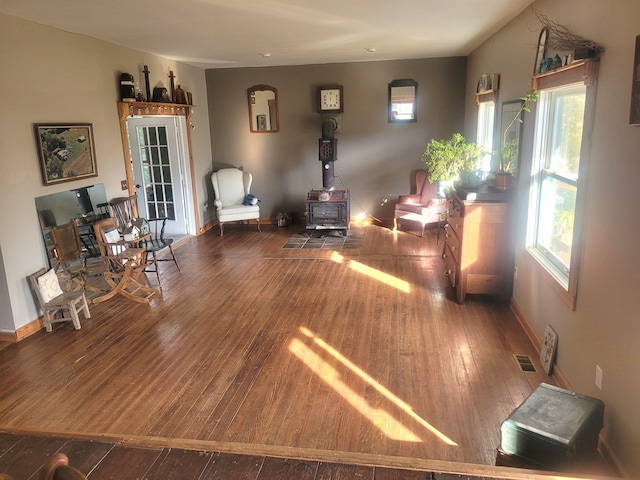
column 125, row 263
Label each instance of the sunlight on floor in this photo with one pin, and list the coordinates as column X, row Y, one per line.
column 373, row 273
column 380, row 418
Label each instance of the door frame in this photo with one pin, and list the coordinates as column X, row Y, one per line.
column 144, row 109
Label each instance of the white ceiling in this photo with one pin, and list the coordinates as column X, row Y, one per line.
column 254, row 33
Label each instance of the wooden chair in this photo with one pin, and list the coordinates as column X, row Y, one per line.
column 68, row 253
column 423, row 208
column 57, row 468
column 125, row 210
column 51, row 302
column 125, row 263
column 70, row 259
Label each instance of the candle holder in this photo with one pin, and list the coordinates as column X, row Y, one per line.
column 146, row 82
column 172, row 87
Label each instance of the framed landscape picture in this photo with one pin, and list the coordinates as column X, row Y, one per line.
column 66, row 151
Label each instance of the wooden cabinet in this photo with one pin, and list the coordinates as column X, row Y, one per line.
column 477, row 248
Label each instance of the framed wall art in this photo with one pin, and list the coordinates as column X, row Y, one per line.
column 634, row 117
column 511, row 120
column 548, row 350
column 66, row 151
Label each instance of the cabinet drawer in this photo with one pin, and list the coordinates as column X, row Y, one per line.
column 452, row 239
column 456, row 217
column 450, row 264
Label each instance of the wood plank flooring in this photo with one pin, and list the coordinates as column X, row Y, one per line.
column 22, row 458
column 253, row 346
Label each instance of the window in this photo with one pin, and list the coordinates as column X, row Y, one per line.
column 557, row 185
column 484, row 134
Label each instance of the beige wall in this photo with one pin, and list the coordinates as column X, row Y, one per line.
column 375, row 158
column 52, row 76
column 604, row 330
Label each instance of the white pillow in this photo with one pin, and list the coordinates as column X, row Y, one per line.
column 49, row 286
column 112, row 236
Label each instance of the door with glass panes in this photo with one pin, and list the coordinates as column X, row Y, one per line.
column 158, row 170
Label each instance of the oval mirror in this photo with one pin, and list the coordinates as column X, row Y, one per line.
column 403, row 101
column 263, row 109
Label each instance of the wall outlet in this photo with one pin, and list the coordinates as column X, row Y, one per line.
column 599, row 374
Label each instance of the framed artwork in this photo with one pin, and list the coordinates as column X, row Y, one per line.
column 511, row 119
column 66, row 151
column 548, row 351
column 634, row 117
column 403, row 101
column 262, row 122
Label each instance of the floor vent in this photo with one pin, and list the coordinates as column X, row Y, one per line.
column 525, row 363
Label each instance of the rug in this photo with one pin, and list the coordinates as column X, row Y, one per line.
column 333, row 239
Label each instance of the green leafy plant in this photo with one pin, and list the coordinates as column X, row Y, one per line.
column 509, row 148
column 447, row 159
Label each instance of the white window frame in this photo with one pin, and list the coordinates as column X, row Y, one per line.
column 563, row 280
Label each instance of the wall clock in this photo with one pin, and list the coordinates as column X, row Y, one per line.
column 330, row 99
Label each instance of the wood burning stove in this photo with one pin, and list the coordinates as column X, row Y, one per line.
column 328, row 210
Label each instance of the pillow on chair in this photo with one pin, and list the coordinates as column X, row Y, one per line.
column 251, row 199
column 49, row 286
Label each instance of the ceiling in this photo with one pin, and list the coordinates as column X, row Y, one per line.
column 257, row 33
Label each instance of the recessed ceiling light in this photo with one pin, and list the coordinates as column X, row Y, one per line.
column 265, row 55
column 371, row 49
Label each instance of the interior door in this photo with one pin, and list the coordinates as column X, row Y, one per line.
column 159, row 165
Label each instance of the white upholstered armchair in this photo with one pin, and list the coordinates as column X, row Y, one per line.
column 231, row 186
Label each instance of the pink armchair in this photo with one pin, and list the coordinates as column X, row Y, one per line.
column 424, row 207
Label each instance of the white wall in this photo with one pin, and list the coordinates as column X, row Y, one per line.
column 604, row 329
column 52, row 76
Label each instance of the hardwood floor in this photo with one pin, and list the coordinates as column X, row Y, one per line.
column 254, row 348
column 22, row 457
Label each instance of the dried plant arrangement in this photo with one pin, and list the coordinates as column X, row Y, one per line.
column 562, row 40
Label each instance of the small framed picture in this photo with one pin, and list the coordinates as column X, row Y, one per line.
column 261, row 123
column 634, row 116
column 548, row 351
column 66, row 151
column 484, row 83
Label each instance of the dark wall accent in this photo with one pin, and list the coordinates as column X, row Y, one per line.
column 375, row 158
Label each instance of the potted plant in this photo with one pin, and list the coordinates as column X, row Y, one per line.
column 509, row 147
column 451, row 159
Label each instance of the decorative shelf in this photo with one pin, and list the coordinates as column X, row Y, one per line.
column 579, row 71
column 127, row 109
column 487, row 96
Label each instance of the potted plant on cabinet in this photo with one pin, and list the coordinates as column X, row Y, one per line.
column 510, row 147
column 452, row 159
